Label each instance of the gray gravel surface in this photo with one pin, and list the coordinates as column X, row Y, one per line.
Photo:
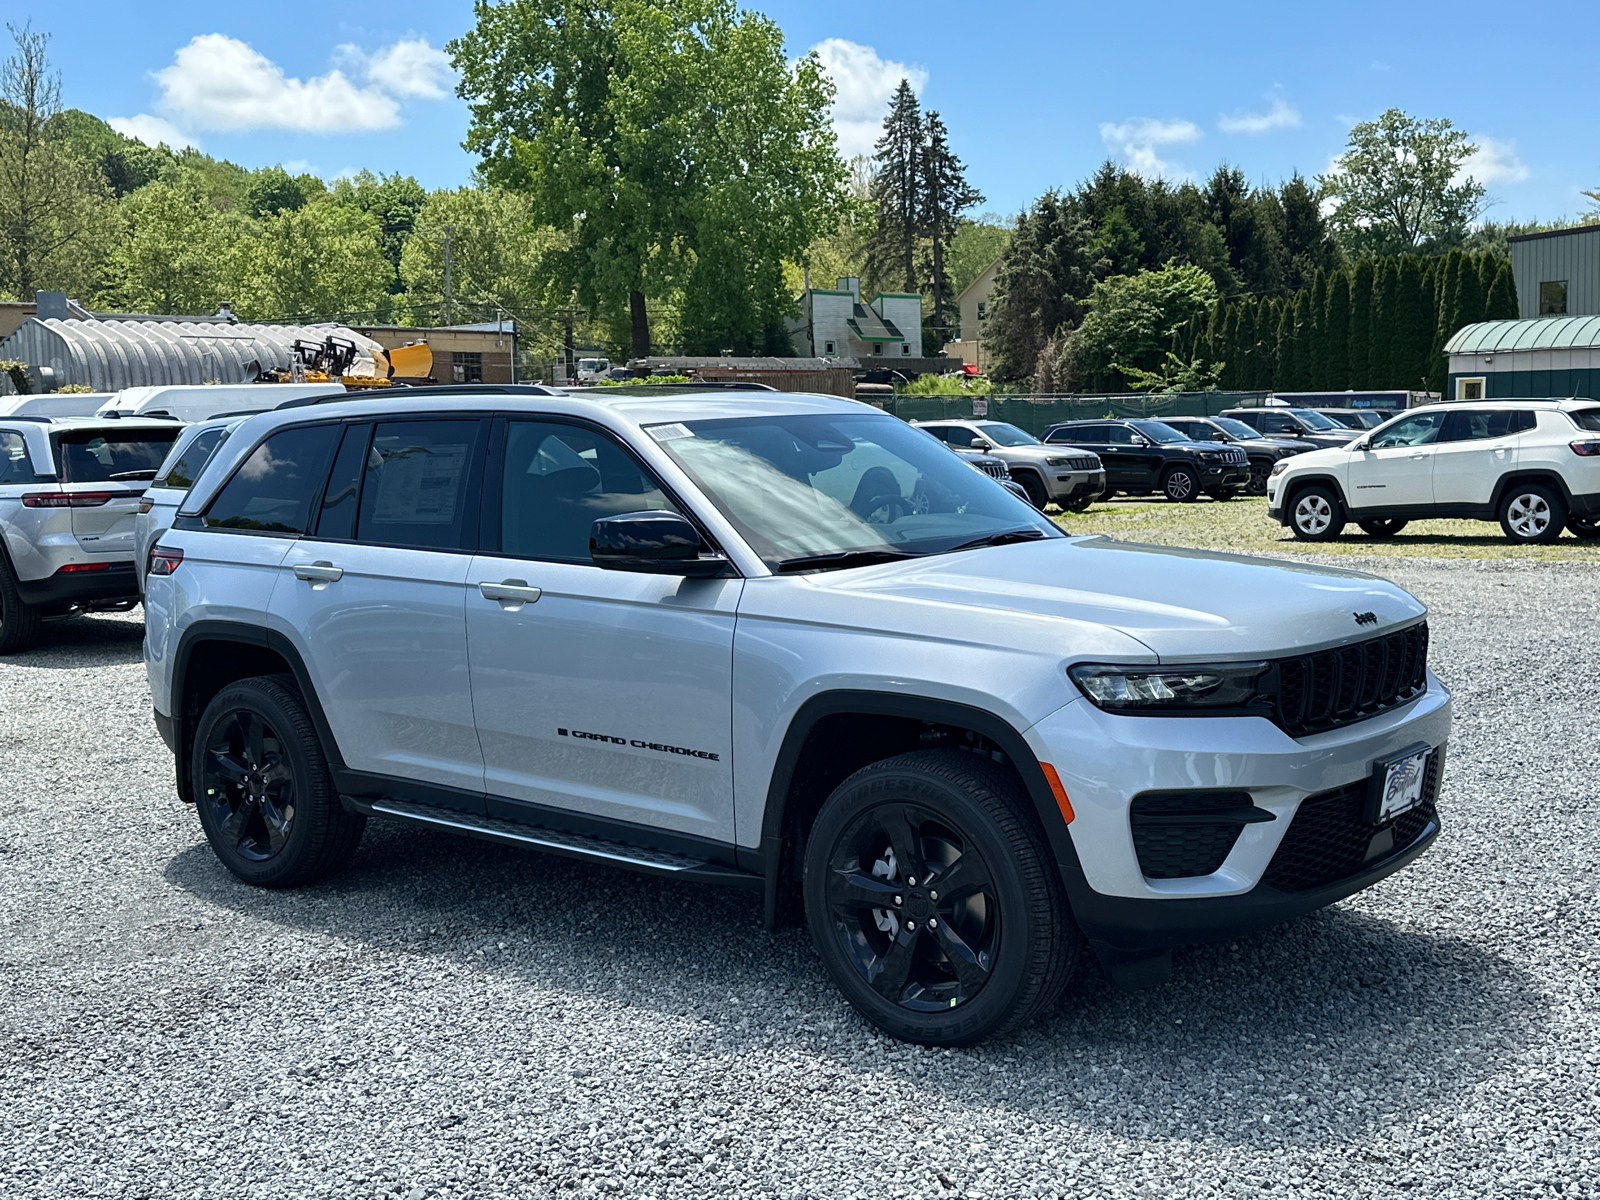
column 454, row 1019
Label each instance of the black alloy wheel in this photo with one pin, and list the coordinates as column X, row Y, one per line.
column 1180, row 485
column 1082, row 503
column 1587, row 528
column 1383, row 527
column 1037, row 496
column 1259, row 473
column 933, row 901
column 19, row 622
column 263, row 790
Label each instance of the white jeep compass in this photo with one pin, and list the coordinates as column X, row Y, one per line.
column 791, row 644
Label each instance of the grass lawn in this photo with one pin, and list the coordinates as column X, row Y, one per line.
column 1242, row 526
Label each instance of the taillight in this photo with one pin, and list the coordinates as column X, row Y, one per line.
column 76, row 568
column 1585, row 449
column 146, row 504
column 67, row 499
column 164, row 560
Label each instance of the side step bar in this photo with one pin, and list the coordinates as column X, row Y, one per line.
column 557, row 841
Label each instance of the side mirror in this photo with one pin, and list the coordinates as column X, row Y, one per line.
column 978, row 444
column 656, row 543
column 1140, row 441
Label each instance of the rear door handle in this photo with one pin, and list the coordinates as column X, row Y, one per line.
column 511, row 593
column 320, row 571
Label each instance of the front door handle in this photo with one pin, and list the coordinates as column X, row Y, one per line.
column 511, row 593
column 320, row 571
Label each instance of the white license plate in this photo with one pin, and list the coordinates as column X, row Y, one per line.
column 1401, row 784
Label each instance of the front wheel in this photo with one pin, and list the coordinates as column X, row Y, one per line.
column 1221, row 494
column 933, row 901
column 1259, row 473
column 1082, row 503
column 1037, row 496
column 263, row 788
column 1180, row 485
column 1532, row 513
column 1316, row 515
column 1383, row 527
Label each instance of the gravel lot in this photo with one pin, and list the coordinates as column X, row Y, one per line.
column 455, row 1019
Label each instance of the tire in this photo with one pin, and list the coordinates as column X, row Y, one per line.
column 1532, row 513
column 1222, row 494
column 19, row 622
column 1259, row 472
column 1315, row 515
column 263, row 789
column 1106, row 495
column 1383, row 527
column 1587, row 528
column 1180, row 485
column 1014, row 936
column 1030, row 483
column 1082, row 503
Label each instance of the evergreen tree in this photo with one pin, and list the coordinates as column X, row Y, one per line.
column 1262, row 352
column 891, row 254
column 1470, row 295
column 1283, row 379
column 1305, row 332
column 1488, row 268
column 1317, row 363
column 1047, row 271
column 1336, row 334
column 1385, row 309
column 1502, row 302
column 1413, row 324
column 1308, row 245
column 945, row 196
column 1361, row 286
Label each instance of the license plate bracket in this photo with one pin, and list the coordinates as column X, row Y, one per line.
column 1398, row 782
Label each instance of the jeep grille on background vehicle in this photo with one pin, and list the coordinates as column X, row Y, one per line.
column 1331, row 688
column 1330, row 837
column 1083, row 463
column 998, row 469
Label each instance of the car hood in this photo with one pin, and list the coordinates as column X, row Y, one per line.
column 1181, row 604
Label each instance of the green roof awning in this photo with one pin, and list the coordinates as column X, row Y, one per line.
column 1532, row 333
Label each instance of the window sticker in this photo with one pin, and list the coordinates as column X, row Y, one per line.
column 668, row 433
column 418, row 484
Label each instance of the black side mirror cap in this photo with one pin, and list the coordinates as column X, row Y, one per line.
column 653, row 542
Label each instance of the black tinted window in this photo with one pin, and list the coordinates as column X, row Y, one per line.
column 1277, row 423
column 1584, row 418
column 1482, row 424
column 414, row 492
column 186, row 470
column 15, row 466
column 1094, row 435
column 271, row 492
column 94, row 458
column 338, row 519
column 560, row 479
column 1118, row 435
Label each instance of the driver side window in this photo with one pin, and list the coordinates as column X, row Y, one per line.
column 1420, row 430
column 560, row 479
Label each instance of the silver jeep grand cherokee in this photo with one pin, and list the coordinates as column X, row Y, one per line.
column 788, row 644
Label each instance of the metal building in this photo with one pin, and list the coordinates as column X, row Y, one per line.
column 1544, row 356
column 1557, row 273
column 109, row 355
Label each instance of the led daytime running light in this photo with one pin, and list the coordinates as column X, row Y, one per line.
column 1152, row 688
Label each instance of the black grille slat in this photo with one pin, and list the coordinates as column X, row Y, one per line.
column 1331, row 688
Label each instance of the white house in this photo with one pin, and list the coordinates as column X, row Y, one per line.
column 836, row 324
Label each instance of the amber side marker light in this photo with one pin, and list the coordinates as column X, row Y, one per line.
column 1059, row 792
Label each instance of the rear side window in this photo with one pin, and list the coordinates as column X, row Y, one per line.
column 15, row 466
column 183, row 472
column 414, row 491
column 272, row 490
column 1587, row 419
column 93, row 457
column 1480, row 425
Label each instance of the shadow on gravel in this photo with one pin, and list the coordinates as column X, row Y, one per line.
column 1339, row 1023
column 74, row 643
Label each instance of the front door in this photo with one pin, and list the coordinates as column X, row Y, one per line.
column 1396, row 470
column 598, row 692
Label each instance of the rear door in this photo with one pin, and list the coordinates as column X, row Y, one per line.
column 112, row 467
column 1476, row 447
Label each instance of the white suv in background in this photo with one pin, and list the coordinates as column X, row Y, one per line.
column 1532, row 465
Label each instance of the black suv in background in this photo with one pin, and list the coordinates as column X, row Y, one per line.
column 1142, row 456
column 1359, row 419
column 1262, row 452
column 1304, row 423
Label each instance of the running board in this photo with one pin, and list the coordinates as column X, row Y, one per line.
column 557, row 841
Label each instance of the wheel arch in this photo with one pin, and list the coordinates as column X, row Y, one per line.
column 835, row 734
column 213, row 654
column 1292, row 491
column 1545, row 475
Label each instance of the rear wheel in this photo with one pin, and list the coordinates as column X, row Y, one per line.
column 1315, row 515
column 933, row 901
column 19, row 622
column 263, row 788
column 1532, row 513
column 1385, row 527
column 1180, row 484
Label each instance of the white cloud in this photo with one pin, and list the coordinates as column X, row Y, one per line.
column 1495, row 162
column 219, row 82
column 152, row 131
column 864, row 84
column 1282, row 115
column 1136, row 140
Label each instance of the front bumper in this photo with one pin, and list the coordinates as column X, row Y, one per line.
column 1066, row 486
column 1105, row 760
column 115, row 583
column 1230, row 475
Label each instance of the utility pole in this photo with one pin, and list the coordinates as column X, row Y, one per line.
column 811, row 328
column 448, row 307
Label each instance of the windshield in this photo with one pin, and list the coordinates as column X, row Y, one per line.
column 1157, row 432
column 1002, row 434
column 1234, row 428
column 1316, row 420
column 796, row 486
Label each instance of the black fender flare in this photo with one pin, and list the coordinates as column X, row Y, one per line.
column 943, row 712
column 1537, row 475
column 1299, row 484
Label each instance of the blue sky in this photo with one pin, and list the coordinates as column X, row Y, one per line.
column 1036, row 94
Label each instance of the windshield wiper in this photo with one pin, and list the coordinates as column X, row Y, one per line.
column 1003, row 538
column 126, row 476
column 840, row 558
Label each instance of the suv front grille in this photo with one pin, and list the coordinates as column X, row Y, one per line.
column 1332, row 688
column 1083, row 463
column 998, row 469
column 1330, row 838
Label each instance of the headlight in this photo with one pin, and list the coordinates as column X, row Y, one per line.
column 1170, row 689
column 1058, row 462
column 1279, row 467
